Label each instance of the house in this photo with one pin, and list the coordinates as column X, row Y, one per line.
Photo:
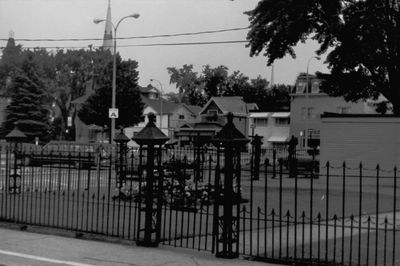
column 169, row 116
column 213, row 117
column 308, row 102
column 273, row 127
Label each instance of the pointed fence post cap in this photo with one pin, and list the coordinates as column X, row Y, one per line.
column 150, row 134
column 15, row 134
column 229, row 135
column 121, row 137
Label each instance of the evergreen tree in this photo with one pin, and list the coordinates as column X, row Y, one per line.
column 27, row 106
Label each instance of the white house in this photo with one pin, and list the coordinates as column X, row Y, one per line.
column 273, row 127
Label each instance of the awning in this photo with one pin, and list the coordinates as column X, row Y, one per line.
column 281, row 115
column 278, row 139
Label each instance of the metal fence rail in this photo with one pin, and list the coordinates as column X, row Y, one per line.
column 333, row 215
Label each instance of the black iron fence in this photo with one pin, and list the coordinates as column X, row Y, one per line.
column 306, row 212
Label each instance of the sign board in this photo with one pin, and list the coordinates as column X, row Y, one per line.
column 113, row 113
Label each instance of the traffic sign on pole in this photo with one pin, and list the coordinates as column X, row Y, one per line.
column 113, row 113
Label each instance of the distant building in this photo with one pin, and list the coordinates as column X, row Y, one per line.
column 169, row 115
column 308, row 102
column 273, row 127
column 213, row 117
column 370, row 139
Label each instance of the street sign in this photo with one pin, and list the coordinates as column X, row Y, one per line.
column 113, row 113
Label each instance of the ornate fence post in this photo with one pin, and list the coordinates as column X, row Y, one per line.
column 292, row 161
column 16, row 137
column 150, row 137
column 257, row 156
column 122, row 140
column 231, row 141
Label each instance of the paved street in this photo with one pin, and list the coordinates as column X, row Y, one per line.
column 19, row 248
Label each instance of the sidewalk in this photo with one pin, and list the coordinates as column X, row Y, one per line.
column 27, row 248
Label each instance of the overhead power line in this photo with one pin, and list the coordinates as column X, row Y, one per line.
column 141, row 45
column 128, row 38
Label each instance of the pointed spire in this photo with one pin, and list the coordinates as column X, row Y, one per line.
column 108, row 34
column 11, row 41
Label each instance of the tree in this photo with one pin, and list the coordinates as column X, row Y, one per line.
column 128, row 101
column 190, row 87
column 28, row 105
column 198, row 89
column 364, row 37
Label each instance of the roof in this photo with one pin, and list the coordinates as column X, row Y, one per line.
column 150, row 134
column 229, row 134
column 278, row 139
column 161, row 105
column 260, row 115
column 233, row 104
column 335, row 115
column 281, row 115
column 194, row 108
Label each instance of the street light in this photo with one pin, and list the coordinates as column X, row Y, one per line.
column 114, row 77
column 308, row 64
column 161, row 103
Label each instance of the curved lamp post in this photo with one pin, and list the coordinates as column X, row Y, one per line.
column 114, row 77
column 161, row 103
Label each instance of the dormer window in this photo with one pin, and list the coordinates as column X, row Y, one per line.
column 212, row 115
column 300, row 87
column 315, row 87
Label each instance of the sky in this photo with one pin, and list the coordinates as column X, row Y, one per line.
column 68, row 19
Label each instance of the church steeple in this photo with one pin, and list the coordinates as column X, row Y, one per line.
column 108, row 35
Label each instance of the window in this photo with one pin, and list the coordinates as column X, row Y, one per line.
column 260, row 121
column 212, row 112
column 313, row 137
column 282, row 121
column 300, row 87
column 315, row 86
column 310, row 113
column 181, row 117
column 303, row 113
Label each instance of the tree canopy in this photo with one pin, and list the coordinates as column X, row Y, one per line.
column 128, row 101
column 197, row 89
column 361, row 37
column 64, row 76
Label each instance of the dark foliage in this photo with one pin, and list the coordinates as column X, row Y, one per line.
column 364, row 37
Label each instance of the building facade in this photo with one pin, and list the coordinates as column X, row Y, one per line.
column 273, row 127
column 308, row 102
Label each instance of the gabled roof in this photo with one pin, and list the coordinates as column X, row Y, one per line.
column 194, row 109
column 166, row 107
column 233, row 104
